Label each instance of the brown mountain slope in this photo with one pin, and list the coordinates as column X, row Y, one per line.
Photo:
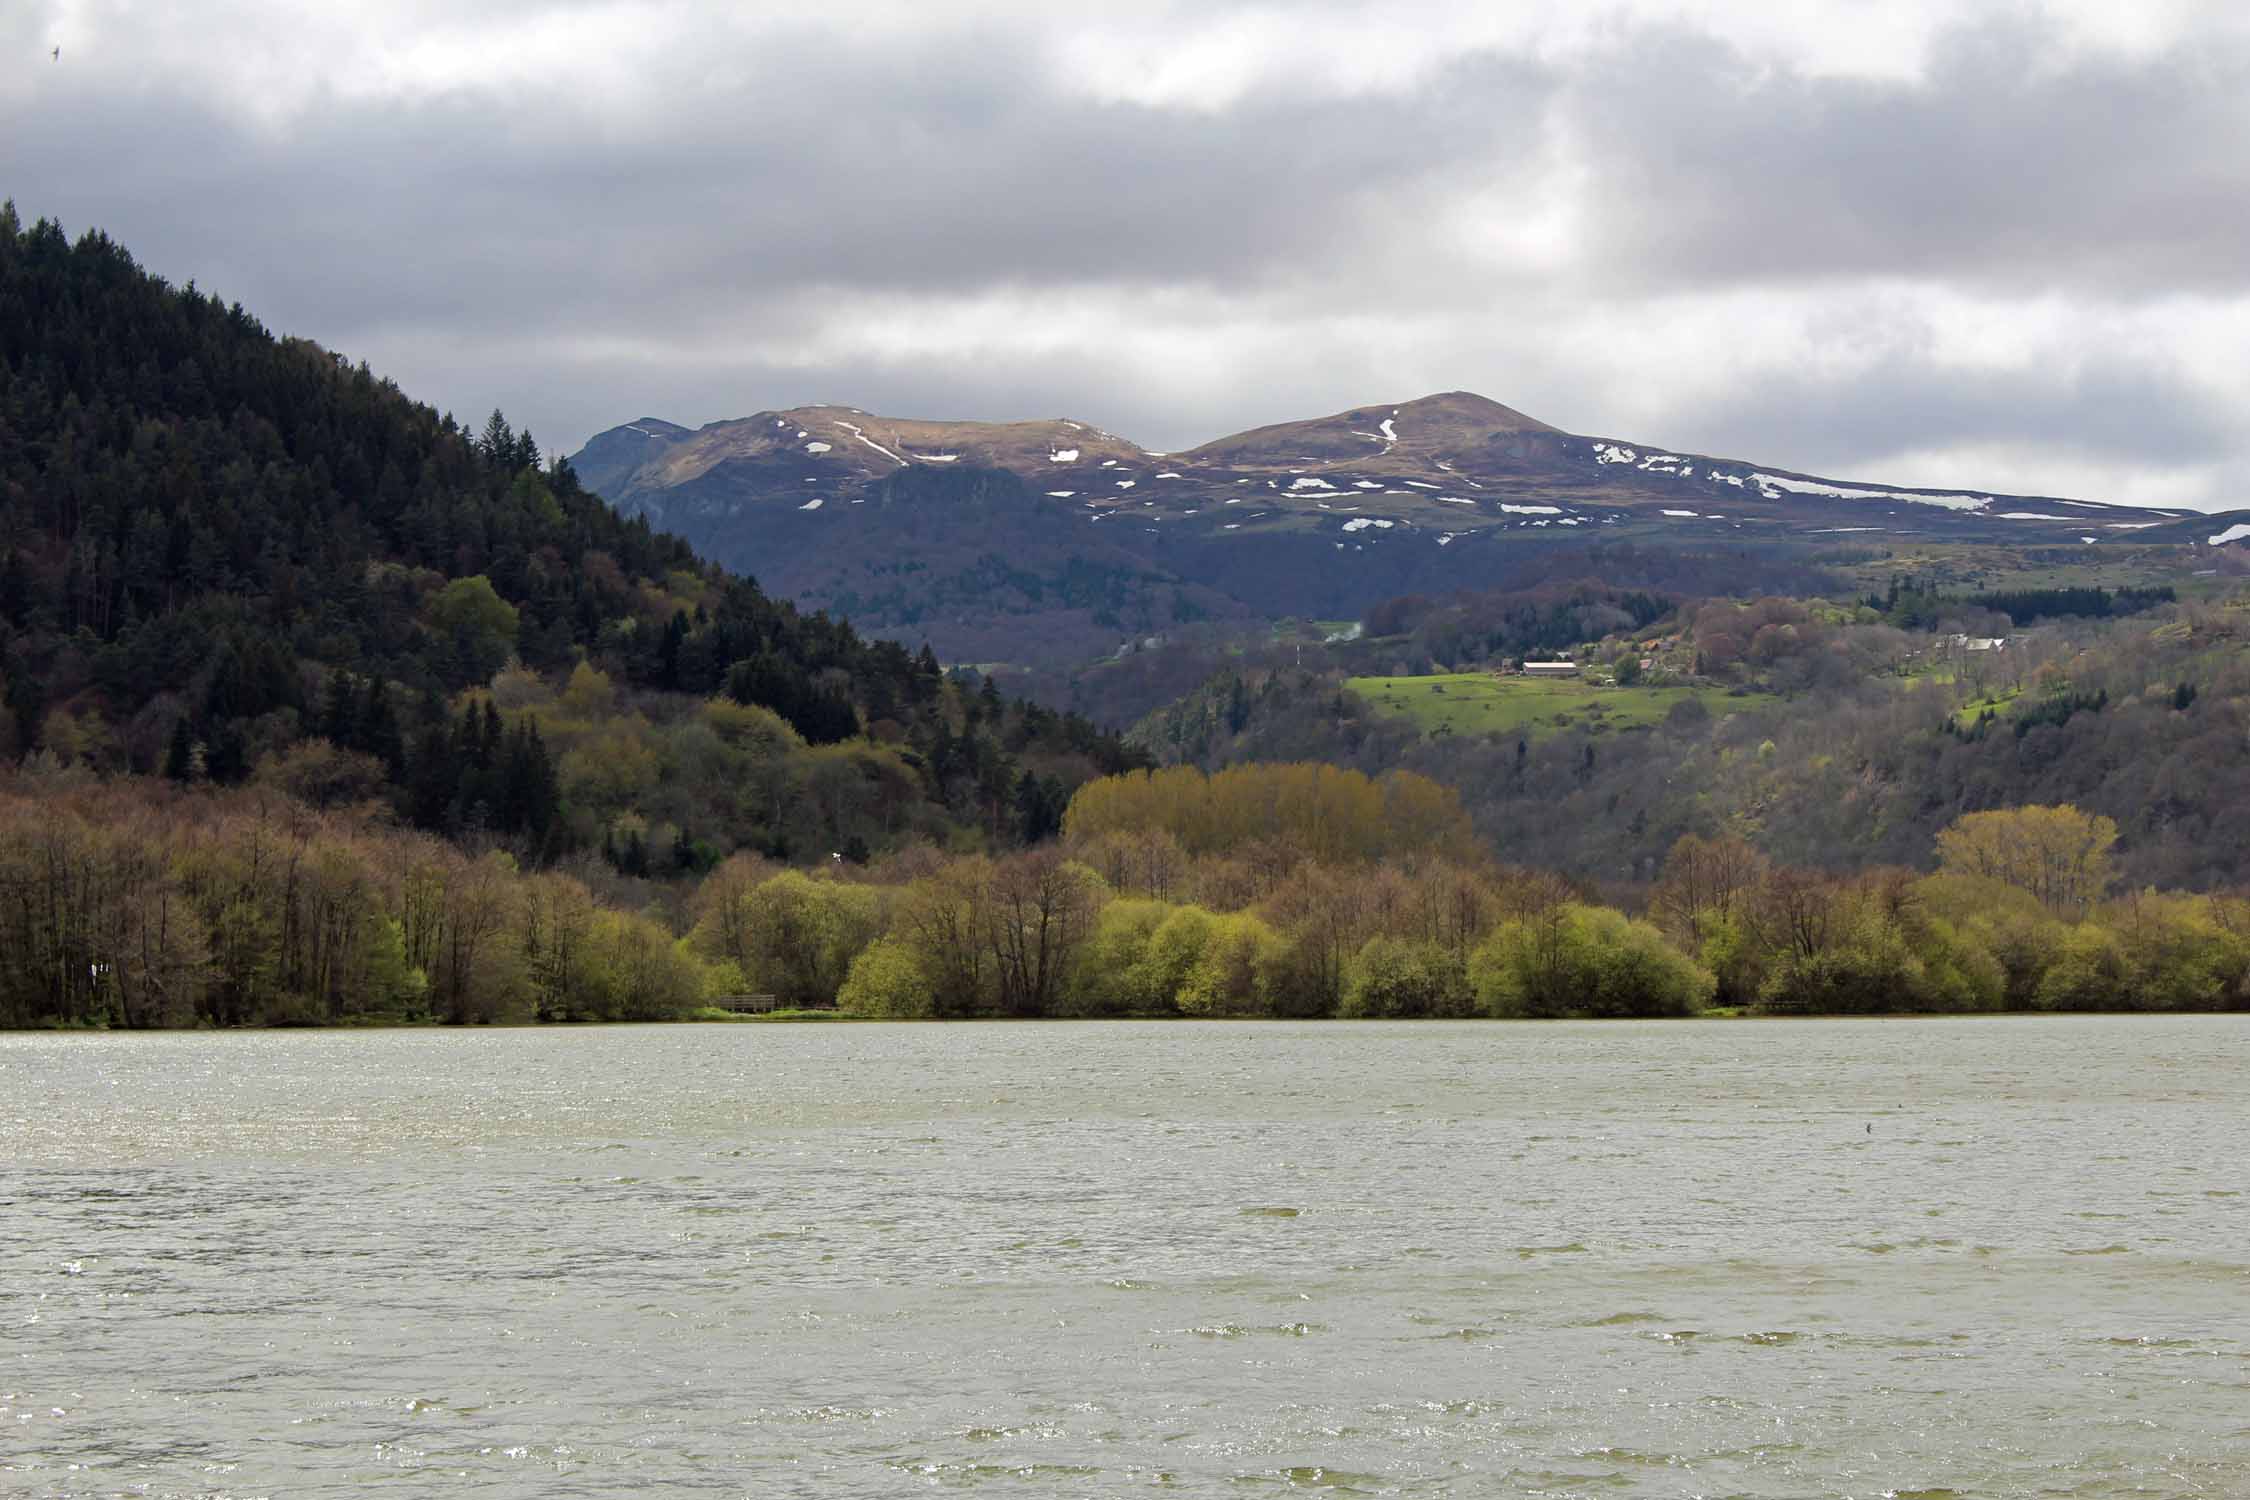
column 1420, row 434
column 844, row 444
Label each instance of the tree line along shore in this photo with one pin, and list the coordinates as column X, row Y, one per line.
column 1268, row 890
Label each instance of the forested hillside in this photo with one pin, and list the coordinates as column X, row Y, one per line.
column 228, row 556
column 1828, row 735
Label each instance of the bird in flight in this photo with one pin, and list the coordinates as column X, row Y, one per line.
column 58, row 54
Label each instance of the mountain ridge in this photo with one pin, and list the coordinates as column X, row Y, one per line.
column 1318, row 518
column 1473, row 434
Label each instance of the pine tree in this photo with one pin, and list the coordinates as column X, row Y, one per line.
column 668, row 652
column 15, row 589
column 377, row 731
column 339, row 713
column 179, row 760
column 498, row 444
column 435, row 772
column 27, row 700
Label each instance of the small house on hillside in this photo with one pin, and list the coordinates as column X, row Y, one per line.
column 1550, row 669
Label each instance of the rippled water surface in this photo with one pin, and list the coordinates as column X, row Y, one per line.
column 1893, row 1258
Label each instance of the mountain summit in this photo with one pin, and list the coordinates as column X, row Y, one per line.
column 1423, row 430
column 1317, row 518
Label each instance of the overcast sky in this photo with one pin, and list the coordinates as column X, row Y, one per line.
column 1944, row 242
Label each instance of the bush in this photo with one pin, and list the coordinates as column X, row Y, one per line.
column 1401, row 977
column 1113, row 977
column 790, row 935
column 886, row 979
column 2004, row 920
column 1235, row 972
column 2088, row 973
column 1585, row 961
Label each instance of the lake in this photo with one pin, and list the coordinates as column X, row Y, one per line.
column 1989, row 1257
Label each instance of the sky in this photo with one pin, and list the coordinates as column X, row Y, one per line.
column 1936, row 242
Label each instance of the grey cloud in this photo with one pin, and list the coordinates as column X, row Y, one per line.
column 815, row 166
column 493, row 246
column 2129, row 411
column 2005, row 167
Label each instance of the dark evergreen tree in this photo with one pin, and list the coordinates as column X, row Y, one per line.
column 498, row 442
column 179, row 758
column 377, row 731
column 339, row 712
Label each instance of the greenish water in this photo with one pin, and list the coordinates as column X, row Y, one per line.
column 1826, row 1258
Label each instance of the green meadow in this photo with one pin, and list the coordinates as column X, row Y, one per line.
column 1478, row 703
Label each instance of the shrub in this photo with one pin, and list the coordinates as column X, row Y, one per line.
column 1235, row 972
column 1402, row 977
column 1585, row 961
column 886, row 979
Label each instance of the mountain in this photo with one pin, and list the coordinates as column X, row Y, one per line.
column 1319, row 518
column 616, row 455
column 1414, row 436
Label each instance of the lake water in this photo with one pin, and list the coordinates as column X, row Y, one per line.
column 1618, row 1259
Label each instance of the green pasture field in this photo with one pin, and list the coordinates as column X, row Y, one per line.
column 1967, row 715
column 1478, row 703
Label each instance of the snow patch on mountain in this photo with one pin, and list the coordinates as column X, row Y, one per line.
column 2231, row 534
column 870, row 442
column 1773, row 486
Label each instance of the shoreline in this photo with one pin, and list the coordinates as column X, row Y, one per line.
column 831, row 1017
